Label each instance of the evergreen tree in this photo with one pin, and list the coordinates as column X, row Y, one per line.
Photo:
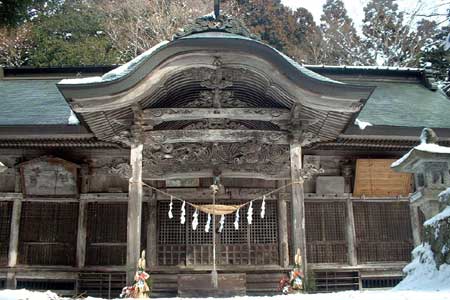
column 434, row 54
column 306, row 42
column 385, row 36
column 14, row 12
column 268, row 19
column 71, row 34
column 342, row 45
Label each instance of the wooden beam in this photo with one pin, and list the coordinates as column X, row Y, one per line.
column 283, row 227
column 134, row 211
column 298, row 204
column 159, row 115
column 14, row 233
column 81, row 234
column 351, row 234
column 216, row 136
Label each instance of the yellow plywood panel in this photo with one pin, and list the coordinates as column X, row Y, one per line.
column 375, row 178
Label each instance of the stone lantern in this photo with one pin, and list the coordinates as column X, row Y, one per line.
column 430, row 164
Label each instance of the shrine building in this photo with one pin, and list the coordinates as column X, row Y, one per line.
column 79, row 201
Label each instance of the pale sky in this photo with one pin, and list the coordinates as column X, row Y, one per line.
column 355, row 7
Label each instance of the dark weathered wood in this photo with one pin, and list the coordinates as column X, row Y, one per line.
column 134, row 211
column 200, row 285
column 81, row 235
column 84, row 172
column 14, row 233
column 159, row 115
column 351, row 235
column 49, row 176
column 152, row 236
column 225, row 174
column 216, row 136
column 298, row 203
column 283, row 229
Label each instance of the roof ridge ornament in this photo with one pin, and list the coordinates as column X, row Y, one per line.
column 215, row 23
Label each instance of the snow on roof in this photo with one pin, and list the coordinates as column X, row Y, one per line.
column 119, row 72
column 424, row 147
column 386, row 68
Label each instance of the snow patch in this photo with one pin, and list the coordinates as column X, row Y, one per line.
column 439, row 217
column 73, row 120
column 362, row 124
column 422, row 273
column 349, row 295
column 119, row 72
column 433, row 148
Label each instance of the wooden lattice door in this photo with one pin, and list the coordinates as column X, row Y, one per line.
column 251, row 244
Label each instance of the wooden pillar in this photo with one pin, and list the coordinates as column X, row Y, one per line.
column 134, row 210
column 14, row 243
column 415, row 224
column 14, row 233
column 351, row 234
column 283, row 227
column 298, row 203
column 81, row 234
column 152, row 239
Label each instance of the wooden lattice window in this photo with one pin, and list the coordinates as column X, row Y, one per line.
column 383, row 231
column 326, row 232
column 48, row 233
column 106, row 238
column 171, row 235
column 251, row 244
column 5, row 227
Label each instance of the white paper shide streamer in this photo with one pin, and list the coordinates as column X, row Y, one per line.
column 221, row 223
column 263, row 207
column 183, row 213
column 195, row 220
column 250, row 213
column 170, row 208
column 236, row 220
column 208, row 223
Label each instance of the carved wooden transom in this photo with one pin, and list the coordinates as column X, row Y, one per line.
column 199, row 159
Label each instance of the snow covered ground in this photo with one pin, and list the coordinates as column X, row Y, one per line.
column 354, row 295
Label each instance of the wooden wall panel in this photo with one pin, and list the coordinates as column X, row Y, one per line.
column 375, row 178
column 383, row 231
column 326, row 232
column 5, row 226
column 106, row 236
column 48, row 233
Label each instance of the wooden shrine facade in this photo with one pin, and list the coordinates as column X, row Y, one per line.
column 211, row 103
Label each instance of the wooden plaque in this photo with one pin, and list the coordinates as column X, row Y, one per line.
column 49, row 176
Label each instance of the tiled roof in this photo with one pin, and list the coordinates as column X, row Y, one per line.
column 406, row 104
column 32, row 102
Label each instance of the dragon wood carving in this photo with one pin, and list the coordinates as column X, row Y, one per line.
column 268, row 159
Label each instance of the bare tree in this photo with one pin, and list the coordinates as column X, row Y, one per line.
column 14, row 46
column 137, row 25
